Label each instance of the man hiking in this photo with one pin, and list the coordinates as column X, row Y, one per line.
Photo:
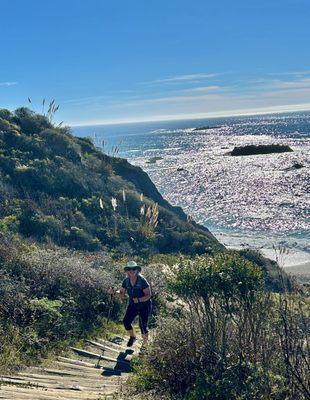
column 139, row 292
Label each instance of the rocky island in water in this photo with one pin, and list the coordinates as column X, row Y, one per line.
column 259, row 149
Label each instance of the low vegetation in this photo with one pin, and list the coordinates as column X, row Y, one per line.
column 226, row 337
column 48, row 298
column 229, row 325
column 58, row 188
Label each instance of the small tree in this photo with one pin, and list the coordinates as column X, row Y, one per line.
column 220, row 340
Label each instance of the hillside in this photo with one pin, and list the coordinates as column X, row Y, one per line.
column 69, row 214
column 58, row 188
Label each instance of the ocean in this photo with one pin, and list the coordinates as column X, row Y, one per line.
column 258, row 201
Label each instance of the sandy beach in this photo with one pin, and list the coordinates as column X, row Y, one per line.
column 300, row 271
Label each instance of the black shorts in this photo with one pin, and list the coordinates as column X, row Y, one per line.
column 141, row 309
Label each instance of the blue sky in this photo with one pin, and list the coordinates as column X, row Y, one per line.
column 116, row 61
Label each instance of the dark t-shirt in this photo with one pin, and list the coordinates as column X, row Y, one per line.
column 137, row 289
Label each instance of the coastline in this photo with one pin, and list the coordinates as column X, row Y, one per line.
column 291, row 260
column 267, row 244
column 295, row 262
column 299, row 269
column 209, row 188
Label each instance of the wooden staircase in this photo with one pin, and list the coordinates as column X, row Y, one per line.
column 95, row 372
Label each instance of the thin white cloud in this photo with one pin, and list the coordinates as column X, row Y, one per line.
column 94, row 99
column 202, row 89
column 181, row 78
column 8, row 83
column 84, row 100
column 293, row 73
column 112, row 100
column 207, row 103
column 213, row 96
column 165, row 100
column 303, row 92
column 213, row 114
column 304, row 83
column 124, row 91
column 180, row 98
column 189, row 100
column 264, row 84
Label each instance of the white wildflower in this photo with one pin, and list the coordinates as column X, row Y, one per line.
column 114, row 203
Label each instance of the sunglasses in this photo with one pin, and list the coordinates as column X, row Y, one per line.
column 131, row 269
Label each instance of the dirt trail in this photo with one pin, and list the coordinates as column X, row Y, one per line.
column 97, row 371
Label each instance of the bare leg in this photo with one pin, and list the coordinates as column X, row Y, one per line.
column 131, row 333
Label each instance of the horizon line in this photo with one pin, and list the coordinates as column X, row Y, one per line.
column 194, row 116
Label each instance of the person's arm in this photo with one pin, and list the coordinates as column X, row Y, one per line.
column 118, row 293
column 147, row 295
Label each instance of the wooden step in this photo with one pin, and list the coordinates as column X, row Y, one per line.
column 123, row 340
column 20, row 393
column 80, row 364
column 69, row 371
column 73, row 365
column 93, row 381
column 121, row 343
column 77, row 362
column 96, row 356
column 72, row 378
column 8, row 395
column 134, row 349
column 38, row 394
column 102, row 346
column 115, row 355
column 47, row 384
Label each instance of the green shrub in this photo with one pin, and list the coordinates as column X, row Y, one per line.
column 40, row 162
column 9, row 224
column 239, row 382
column 46, row 316
column 80, row 239
column 30, row 122
column 228, row 276
column 48, row 297
column 225, row 337
column 5, row 114
column 40, row 226
column 6, row 126
column 58, row 144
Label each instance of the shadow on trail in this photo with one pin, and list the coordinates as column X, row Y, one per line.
column 122, row 364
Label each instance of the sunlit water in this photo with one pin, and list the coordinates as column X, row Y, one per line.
column 257, row 201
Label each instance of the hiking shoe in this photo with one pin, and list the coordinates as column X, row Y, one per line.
column 131, row 341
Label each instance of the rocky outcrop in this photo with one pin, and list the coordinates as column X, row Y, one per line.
column 259, row 149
